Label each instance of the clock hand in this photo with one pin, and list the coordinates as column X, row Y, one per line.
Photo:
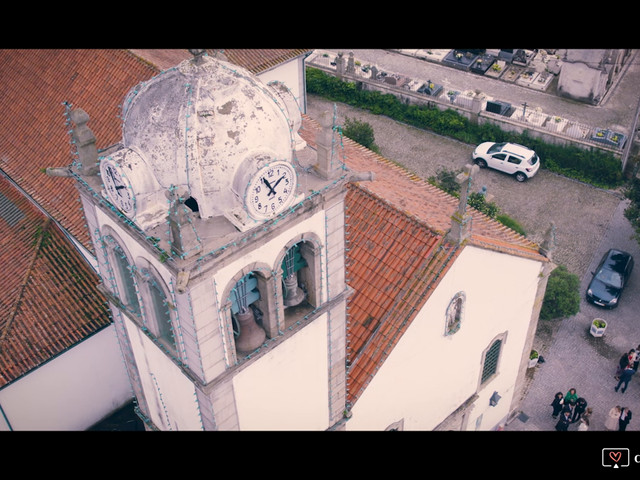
column 118, row 187
column 266, row 182
column 276, row 184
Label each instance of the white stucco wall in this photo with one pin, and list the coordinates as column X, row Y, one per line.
column 429, row 375
column 288, row 388
column 291, row 74
column 170, row 395
column 74, row 391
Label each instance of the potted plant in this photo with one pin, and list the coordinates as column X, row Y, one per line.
column 533, row 358
column 598, row 326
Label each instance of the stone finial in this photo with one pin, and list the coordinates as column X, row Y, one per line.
column 339, row 61
column 549, row 242
column 327, row 165
column 197, row 53
column 183, row 237
column 85, row 142
column 351, row 64
column 461, row 220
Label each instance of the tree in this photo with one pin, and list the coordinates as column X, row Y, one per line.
column 562, row 297
column 360, row 132
column 632, row 212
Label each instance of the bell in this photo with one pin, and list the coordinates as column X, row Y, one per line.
column 293, row 293
column 251, row 335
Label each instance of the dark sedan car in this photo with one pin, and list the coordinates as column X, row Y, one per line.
column 610, row 278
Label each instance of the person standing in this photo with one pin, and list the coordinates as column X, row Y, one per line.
column 585, row 420
column 625, row 378
column 636, row 361
column 581, row 405
column 624, row 419
column 563, row 423
column 622, row 364
column 558, row 400
column 570, row 399
column 611, row 423
column 583, row 426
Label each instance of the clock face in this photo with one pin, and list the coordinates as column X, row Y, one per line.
column 117, row 187
column 271, row 190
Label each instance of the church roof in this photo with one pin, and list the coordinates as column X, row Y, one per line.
column 35, row 85
column 397, row 253
column 256, row 60
column 49, row 301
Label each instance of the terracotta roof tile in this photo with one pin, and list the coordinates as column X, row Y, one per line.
column 35, row 84
column 397, row 253
column 255, row 60
column 49, row 300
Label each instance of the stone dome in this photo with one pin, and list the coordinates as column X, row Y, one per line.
column 199, row 128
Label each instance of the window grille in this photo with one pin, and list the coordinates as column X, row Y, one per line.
column 491, row 361
column 125, row 271
column 160, row 309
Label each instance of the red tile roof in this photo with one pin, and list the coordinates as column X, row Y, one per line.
column 397, row 253
column 49, row 300
column 255, row 60
column 35, row 83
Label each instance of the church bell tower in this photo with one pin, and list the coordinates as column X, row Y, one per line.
column 219, row 235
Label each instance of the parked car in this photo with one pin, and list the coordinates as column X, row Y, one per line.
column 511, row 158
column 610, row 278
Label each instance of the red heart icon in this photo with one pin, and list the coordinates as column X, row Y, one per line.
column 615, row 456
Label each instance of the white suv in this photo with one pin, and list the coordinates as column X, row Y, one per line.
column 511, row 158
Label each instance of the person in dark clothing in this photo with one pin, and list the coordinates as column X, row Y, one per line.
column 579, row 409
column 625, row 378
column 622, row 364
column 625, row 418
column 558, row 400
column 563, row 423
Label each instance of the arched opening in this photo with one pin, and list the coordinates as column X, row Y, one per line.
column 192, row 204
column 123, row 276
column 246, row 314
column 301, row 284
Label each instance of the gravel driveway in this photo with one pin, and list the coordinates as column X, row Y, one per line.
column 580, row 212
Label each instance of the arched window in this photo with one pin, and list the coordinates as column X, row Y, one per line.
column 490, row 361
column 123, row 274
column 246, row 315
column 158, row 314
column 455, row 312
column 293, row 290
column 301, row 278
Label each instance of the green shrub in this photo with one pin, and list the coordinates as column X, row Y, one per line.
column 360, row 132
column 445, row 179
column 511, row 223
column 479, row 202
column 562, row 297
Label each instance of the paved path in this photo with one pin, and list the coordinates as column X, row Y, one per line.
column 534, row 204
column 576, row 359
